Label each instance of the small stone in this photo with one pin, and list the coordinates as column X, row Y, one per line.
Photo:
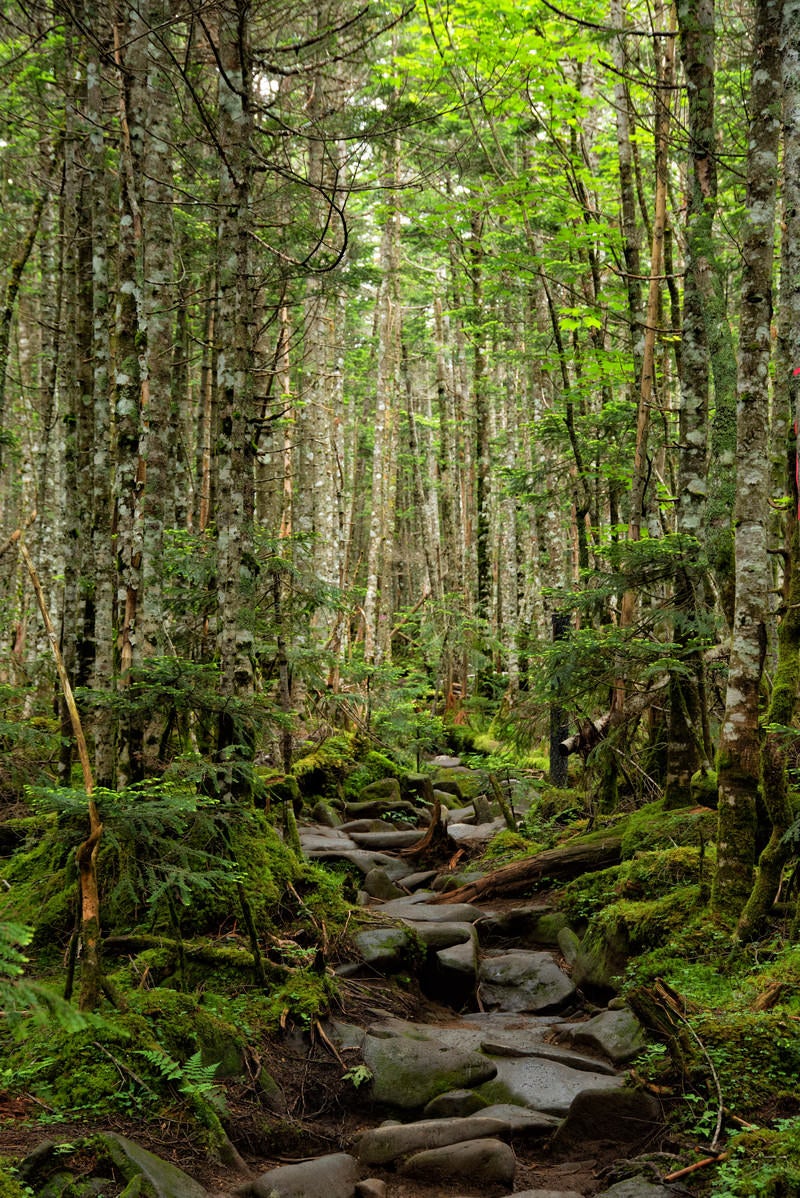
column 454, row 1104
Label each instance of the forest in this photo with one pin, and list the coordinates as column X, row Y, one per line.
column 399, row 416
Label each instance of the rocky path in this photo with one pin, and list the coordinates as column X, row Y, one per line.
column 518, row 1090
column 515, row 1086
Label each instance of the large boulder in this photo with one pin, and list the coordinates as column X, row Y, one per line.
column 621, row 1117
column 50, row 1167
column 408, row 1072
column 522, row 980
column 390, row 950
column 618, row 1034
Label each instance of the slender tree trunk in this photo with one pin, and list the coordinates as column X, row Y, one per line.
column 129, row 480
column 380, row 551
column 740, row 750
column 783, row 699
column 664, row 92
column 234, row 382
column 159, row 436
column 686, row 749
column 103, row 564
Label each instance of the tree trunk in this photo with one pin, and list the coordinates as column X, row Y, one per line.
column 783, row 700
column 739, row 750
column 234, row 384
column 686, row 749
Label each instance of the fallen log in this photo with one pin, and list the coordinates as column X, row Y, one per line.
column 559, row 864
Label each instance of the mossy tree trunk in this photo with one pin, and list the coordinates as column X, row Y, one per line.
column 787, row 675
column 740, row 750
column 686, row 751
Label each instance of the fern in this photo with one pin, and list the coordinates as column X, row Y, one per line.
column 193, row 1078
column 19, row 998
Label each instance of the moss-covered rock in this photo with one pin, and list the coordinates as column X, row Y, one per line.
column 385, row 790
column 652, row 827
column 322, row 773
column 624, row 928
column 280, row 790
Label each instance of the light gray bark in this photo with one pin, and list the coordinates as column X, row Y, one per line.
column 739, row 749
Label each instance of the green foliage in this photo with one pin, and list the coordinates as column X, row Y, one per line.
column 358, row 1076
column 21, row 999
column 192, row 1077
column 762, row 1164
column 508, row 846
column 171, row 858
column 28, row 739
column 305, row 997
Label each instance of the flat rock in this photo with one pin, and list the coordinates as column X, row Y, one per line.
column 333, row 1176
column 482, row 1162
column 523, row 980
column 389, row 841
column 421, row 912
column 382, row 1145
column 475, row 833
column 542, row 1085
column 361, row 859
column 408, row 1072
column 444, row 934
column 421, row 878
column 521, row 1123
column 547, row 1052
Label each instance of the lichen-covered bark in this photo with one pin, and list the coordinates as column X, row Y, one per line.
column 783, row 699
column 686, row 751
column 378, row 597
column 739, row 753
column 159, row 448
column 234, row 381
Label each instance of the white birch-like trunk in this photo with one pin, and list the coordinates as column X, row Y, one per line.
column 739, row 748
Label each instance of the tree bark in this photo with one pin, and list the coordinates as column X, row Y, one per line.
column 567, row 861
column 740, row 750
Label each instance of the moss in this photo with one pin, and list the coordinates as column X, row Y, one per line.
column 322, row 774
column 508, row 846
column 652, row 827
column 647, row 876
column 471, row 783
column 373, row 767
column 185, row 1025
column 703, row 788
column 764, row 1162
column 41, row 882
column 10, row 1186
column 305, row 997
